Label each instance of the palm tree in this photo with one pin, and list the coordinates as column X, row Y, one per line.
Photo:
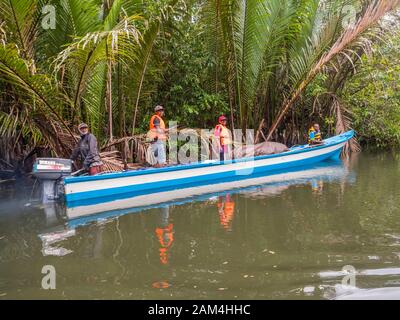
column 69, row 74
column 348, row 39
column 270, row 51
column 101, row 62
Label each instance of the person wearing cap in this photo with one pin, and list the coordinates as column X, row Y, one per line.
column 223, row 136
column 158, row 136
column 87, row 150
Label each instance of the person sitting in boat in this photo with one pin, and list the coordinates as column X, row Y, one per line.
column 87, row 150
column 158, row 136
column 314, row 135
column 224, row 138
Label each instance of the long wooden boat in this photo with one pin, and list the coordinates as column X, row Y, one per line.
column 328, row 171
column 148, row 186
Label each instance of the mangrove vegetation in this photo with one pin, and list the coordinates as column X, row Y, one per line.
column 271, row 65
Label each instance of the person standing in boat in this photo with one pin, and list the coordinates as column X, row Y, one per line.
column 314, row 135
column 224, row 138
column 158, row 136
column 87, row 150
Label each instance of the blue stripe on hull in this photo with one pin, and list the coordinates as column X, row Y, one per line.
column 111, row 194
column 149, row 171
column 75, row 222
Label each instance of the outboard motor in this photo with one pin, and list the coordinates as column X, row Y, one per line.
column 50, row 171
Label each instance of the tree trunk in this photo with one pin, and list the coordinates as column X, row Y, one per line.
column 109, row 98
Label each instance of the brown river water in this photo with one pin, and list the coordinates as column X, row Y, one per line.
column 315, row 237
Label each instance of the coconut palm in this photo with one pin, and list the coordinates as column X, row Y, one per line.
column 67, row 74
column 268, row 52
column 103, row 60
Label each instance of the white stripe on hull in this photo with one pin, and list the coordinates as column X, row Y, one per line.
column 148, row 200
column 85, row 186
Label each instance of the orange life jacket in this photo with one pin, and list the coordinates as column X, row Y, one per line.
column 153, row 130
column 225, row 135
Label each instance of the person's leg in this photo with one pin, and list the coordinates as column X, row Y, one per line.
column 154, row 151
column 222, row 155
column 162, row 157
column 94, row 170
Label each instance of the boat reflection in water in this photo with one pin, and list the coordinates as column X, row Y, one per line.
column 328, row 171
column 263, row 186
column 163, row 232
column 273, row 185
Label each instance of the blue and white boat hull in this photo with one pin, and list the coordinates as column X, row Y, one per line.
column 145, row 187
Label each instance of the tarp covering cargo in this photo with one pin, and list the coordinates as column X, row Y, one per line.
column 260, row 149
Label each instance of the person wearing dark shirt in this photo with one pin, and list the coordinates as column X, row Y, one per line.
column 87, row 150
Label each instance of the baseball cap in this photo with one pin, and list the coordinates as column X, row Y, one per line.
column 222, row 118
column 83, row 125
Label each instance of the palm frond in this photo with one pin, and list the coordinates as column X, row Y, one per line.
column 142, row 58
column 350, row 36
column 36, row 87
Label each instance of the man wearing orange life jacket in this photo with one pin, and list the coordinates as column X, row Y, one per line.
column 224, row 140
column 158, row 136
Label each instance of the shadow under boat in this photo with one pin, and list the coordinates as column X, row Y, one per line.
column 329, row 171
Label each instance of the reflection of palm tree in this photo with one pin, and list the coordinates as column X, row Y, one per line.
column 226, row 210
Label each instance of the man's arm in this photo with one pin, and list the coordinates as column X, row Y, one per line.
column 311, row 136
column 75, row 153
column 217, row 134
column 93, row 152
column 156, row 124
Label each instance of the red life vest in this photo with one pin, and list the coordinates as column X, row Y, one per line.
column 224, row 135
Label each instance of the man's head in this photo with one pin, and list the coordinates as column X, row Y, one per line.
column 159, row 110
column 222, row 120
column 316, row 126
column 83, row 128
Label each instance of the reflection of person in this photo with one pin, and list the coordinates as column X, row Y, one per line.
column 314, row 135
column 158, row 136
column 92, row 245
column 87, row 150
column 317, row 186
column 224, row 138
column 165, row 235
column 226, row 210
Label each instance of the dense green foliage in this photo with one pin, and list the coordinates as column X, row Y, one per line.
column 109, row 62
column 373, row 96
column 185, row 89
